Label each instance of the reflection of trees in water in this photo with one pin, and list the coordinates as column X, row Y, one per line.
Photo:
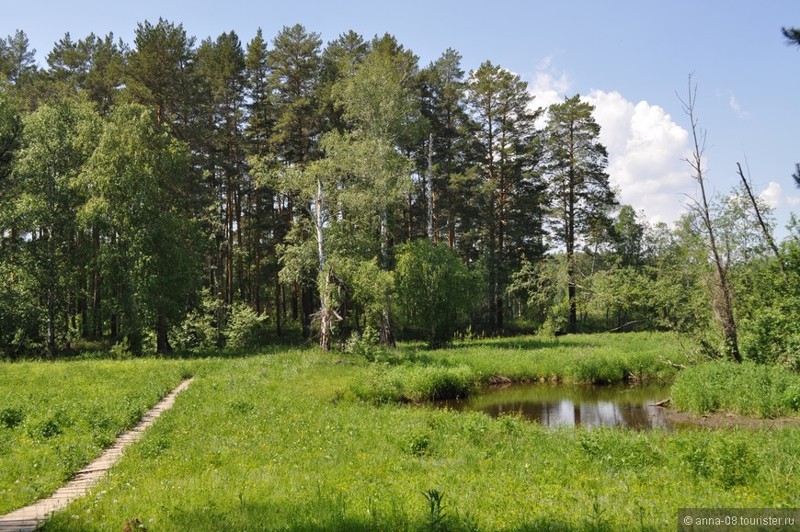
column 589, row 407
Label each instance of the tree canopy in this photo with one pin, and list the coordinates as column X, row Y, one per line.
column 171, row 191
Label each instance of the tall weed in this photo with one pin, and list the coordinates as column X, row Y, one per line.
column 746, row 388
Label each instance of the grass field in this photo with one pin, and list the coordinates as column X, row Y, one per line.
column 56, row 417
column 283, row 441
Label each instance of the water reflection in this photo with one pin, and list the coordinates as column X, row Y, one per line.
column 587, row 406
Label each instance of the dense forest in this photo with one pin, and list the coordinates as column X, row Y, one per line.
column 169, row 194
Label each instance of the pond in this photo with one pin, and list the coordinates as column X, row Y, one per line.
column 561, row 405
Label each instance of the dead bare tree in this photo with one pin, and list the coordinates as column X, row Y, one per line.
column 721, row 294
column 760, row 218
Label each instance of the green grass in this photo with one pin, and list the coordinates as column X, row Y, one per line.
column 283, row 442
column 56, row 417
column 414, row 375
column 746, row 388
column 596, row 358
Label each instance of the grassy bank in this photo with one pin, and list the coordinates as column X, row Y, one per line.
column 746, row 388
column 282, row 442
column 56, row 417
column 596, row 358
column 411, row 375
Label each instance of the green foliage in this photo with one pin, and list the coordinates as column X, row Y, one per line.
column 58, row 140
column 437, row 516
column 601, row 358
column 363, row 344
column 122, row 350
column 504, row 216
column 769, row 308
column 581, row 197
column 245, row 329
column 11, row 416
column 746, row 388
column 150, row 252
column 603, row 445
column 198, row 331
column 436, row 291
column 731, row 463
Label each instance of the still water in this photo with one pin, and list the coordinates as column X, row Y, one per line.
column 559, row 405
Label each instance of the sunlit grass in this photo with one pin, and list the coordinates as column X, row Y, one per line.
column 56, row 417
column 746, row 388
column 282, row 442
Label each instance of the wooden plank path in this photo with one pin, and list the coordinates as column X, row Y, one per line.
column 28, row 518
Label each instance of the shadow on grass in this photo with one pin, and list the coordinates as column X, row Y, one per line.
column 319, row 516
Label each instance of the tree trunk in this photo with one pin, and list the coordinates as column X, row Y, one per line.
column 307, row 306
column 325, row 313
column 97, row 301
column 429, row 188
column 451, row 229
column 386, row 335
column 229, row 242
column 162, row 342
column 278, row 306
column 722, row 297
column 51, row 295
column 764, row 229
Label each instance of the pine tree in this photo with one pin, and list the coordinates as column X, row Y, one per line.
column 294, row 64
column 221, row 67
column 160, row 73
column 510, row 190
column 578, row 185
column 444, row 107
column 18, row 60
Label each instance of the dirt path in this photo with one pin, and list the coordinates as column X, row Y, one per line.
column 28, row 518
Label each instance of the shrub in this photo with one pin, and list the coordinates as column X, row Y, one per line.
column 195, row 333
column 11, row 416
column 436, row 291
column 363, row 344
column 245, row 328
column 122, row 350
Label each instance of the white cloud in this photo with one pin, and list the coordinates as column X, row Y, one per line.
column 772, row 195
column 547, row 88
column 646, row 151
column 646, row 148
column 793, row 200
column 733, row 103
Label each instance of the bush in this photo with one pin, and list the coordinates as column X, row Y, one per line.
column 122, row 350
column 363, row 344
column 245, row 328
column 11, row 416
column 198, row 332
column 436, row 291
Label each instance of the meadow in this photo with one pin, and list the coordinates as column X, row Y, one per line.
column 295, row 440
column 55, row 417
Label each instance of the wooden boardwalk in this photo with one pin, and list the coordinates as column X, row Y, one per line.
column 28, row 518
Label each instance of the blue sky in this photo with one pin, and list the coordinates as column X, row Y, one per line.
column 627, row 57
